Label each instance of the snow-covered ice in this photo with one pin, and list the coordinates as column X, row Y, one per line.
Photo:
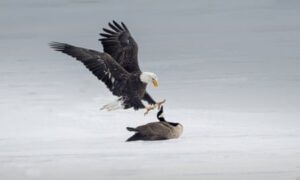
column 228, row 69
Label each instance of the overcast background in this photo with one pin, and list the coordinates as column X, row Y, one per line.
column 228, row 69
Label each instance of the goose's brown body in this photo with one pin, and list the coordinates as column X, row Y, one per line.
column 157, row 130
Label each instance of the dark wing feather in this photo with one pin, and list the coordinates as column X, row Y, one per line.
column 76, row 52
column 118, row 42
column 102, row 65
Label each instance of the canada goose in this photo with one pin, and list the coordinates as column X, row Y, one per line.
column 156, row 130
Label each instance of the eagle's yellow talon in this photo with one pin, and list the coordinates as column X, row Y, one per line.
column 160, row 103
column 153, row 106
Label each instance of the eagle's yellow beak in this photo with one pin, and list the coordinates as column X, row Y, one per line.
column 155, row 83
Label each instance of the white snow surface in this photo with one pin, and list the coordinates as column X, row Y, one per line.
column 228, row 69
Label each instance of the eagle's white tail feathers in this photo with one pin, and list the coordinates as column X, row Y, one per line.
column 118, row 104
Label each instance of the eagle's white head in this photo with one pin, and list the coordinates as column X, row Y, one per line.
column 148, row 77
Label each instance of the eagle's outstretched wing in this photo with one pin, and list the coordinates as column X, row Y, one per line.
column 102, row 65
column 106, row 69
column 118, row 42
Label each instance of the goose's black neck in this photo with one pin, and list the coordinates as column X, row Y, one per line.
column 159, row 115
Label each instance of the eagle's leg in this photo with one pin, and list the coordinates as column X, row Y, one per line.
column 153, row 106
column 158, row 104
column 149, row 108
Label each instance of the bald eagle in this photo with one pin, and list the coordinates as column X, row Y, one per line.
column 117, row 67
